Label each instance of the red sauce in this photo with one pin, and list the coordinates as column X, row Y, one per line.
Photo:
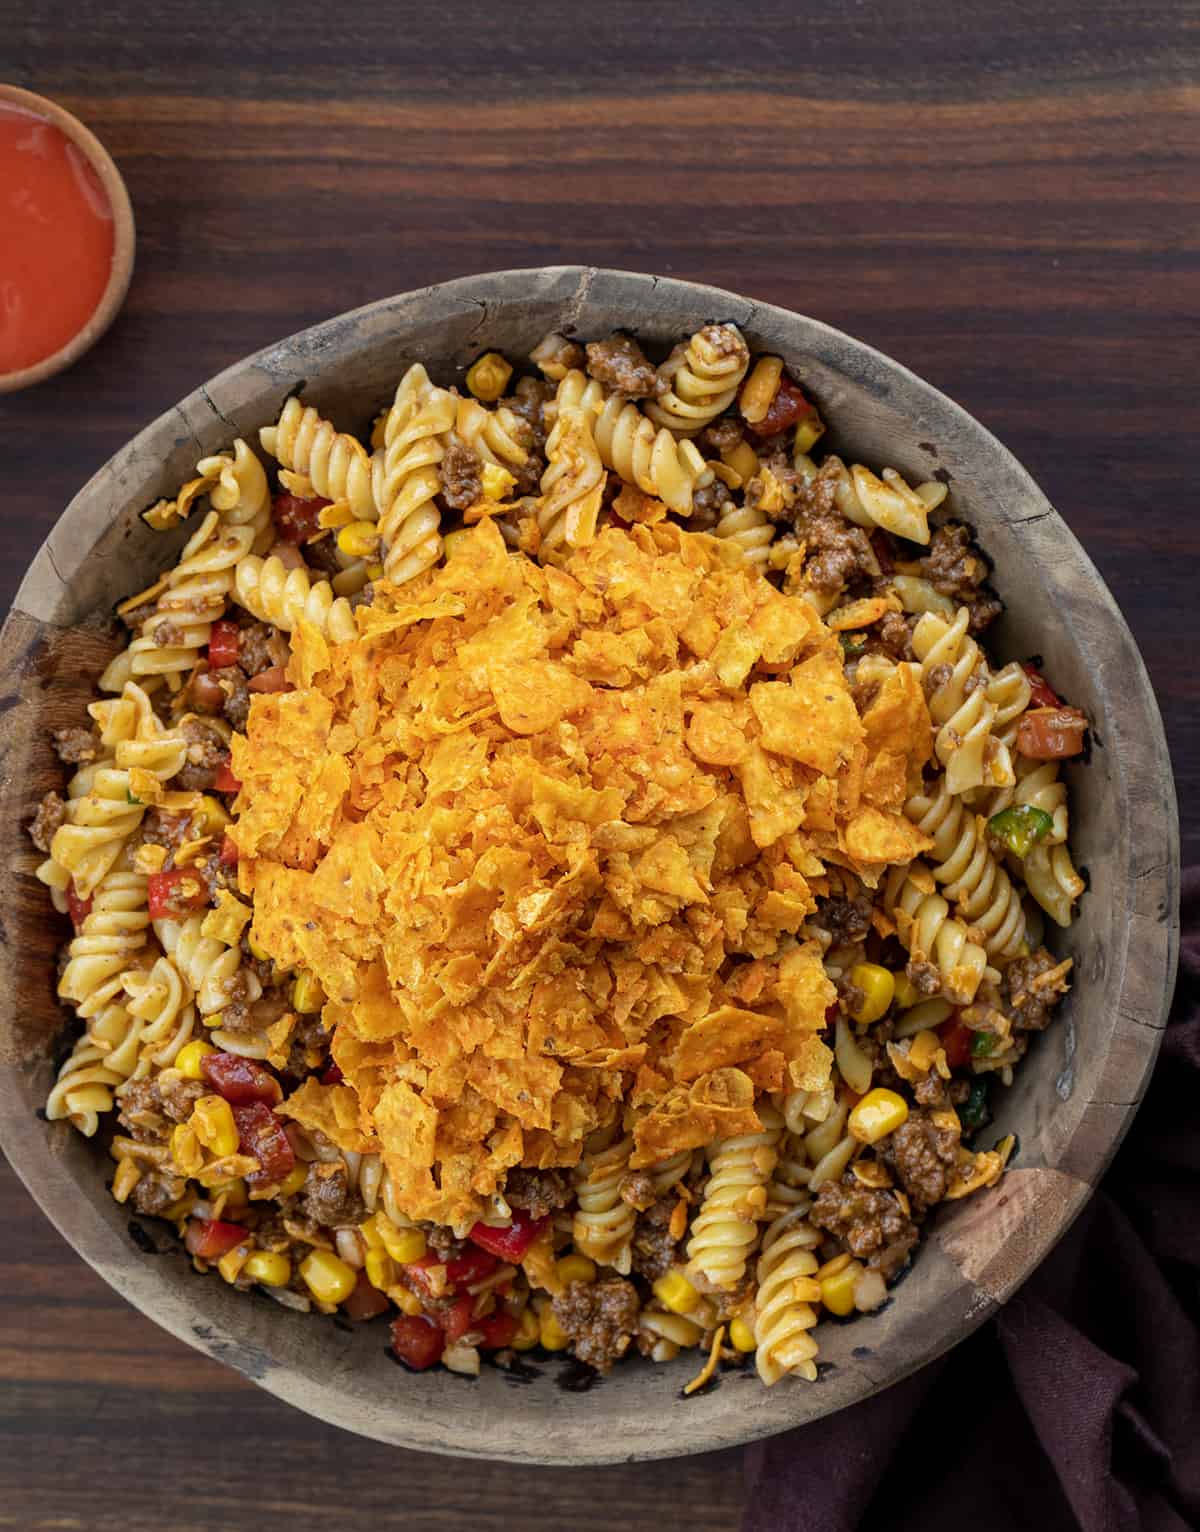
column 56, row 239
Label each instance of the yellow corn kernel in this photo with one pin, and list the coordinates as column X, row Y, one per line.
column 212, row 816
column 327, row 1278
column 675, row 1292
column 837, row 1291
column 742, row 1336
column 127, row 1177
column 360, row 540
column 403, row 1245
column 495, row 481
column 185, row 1149
column 233, row 1191
column 212, row 1118
column 455, row 539
column 374, row 571
column 187, row 1060
column 307, row 995
column 760, row 388
column 906, row 992
column 293, row 1181
column 550, row 1332
column 879, row 1113
column 833, row 1267
column 231, row 1263
column 407, row 1302
column 381, row 1269
column 528, row 1331
column 331, row 517
column 370, row 1234
column 268, row 1267
column 742, row 459
column 488, row 377
column 575, row 1268
column 809, row 430
column 878, row 987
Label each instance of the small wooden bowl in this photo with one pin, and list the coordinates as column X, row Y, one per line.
column 1074, row 1096
column 124, row 239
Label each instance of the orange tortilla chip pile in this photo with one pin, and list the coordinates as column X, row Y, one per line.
column 546, row 836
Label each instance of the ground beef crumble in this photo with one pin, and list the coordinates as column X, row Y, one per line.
column 954, row 568
column 75, row 747
column 869, row 1222
column 327, row 1198
column 654, row 1249
column 537, row 1192
column 460, row 471
column 837, row 551
column 1030, row 1006
column 51, row 813
column 206, row 751
column 923, row 1157
column 846, row 920
column 621, row 364
column 600, row 1318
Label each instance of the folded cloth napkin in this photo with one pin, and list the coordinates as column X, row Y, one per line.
column 1078, row 1406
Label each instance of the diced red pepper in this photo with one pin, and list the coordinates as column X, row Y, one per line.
column 78, row 909
column 210, row 1238
column 273, row 679
column 296, row 519
column 788, row 406
column 332, row 1075
column 956, row 1038
column 497, row 1330
column 260, row 1133
column 224, row 780
column 241, row 1081
column 1051, row 733
column 471, row 1266
column 417, row 1342
column 455, row 1320
column 224, row 645
column 170, row 893
column 509, row 1244
column 366, row 1301
column 229, row 852
column 1041, row 693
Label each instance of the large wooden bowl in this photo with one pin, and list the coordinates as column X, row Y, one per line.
column 1075, row 1094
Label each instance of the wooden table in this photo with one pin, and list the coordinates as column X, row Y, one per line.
column 1002, row 197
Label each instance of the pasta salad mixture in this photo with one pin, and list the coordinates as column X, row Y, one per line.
column 564, row 875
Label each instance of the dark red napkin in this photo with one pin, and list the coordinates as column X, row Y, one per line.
column 1079, row 1404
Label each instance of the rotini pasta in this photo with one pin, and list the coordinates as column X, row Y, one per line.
column 276, row 594
column 784, row 1315
column 956, row 680
column 572, row 485
column 405, row 475
column 927, row 929
column 725, row 1231
column 705, row 381
column 603, row 1225
column 750, row 529
column 336, row 465
column 887, row 502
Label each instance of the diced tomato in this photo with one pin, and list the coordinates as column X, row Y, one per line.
column 509, row 1244
column 224, row 780
column 788, row 406
column 471, row 1266
column 365, row 1302
column 172, row 892
column 416, row 1275
column 78, row 909
column 956, row 1041
column 296, row 519
column 274, row 679
column 229, row 852
column 416, row 1342
column 455, row 1320
column 260, row 1133
column 1041, row 693
column 332, row 1075
column 210, row 1238
column 1051, row 733
column 497, row 1330
column 224, row 645
column 241, row 1081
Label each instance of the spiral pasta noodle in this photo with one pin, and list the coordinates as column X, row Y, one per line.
column 888, row 502
column 783, row 1311
column 963, row 861
column 956, row 678
column 725, row 1230
column 406, row 478
column 161, row 1000
column 750, row 528
column 495, row 436
column 629, row 444
column 208, row 964
column 705, row 382
column 930, row 933
column 336, row 464
column 572, row 485
column 603, row 1226
column 273, row 593
column 1051, row 878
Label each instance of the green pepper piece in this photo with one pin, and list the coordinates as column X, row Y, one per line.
column 129, row 798
column 973, row 1112
column 1021, row 827
column 852, row 644
column 983, row 1043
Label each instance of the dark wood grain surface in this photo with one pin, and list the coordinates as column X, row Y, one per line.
column 1003, row 197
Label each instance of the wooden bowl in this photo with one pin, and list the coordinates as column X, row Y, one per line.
column 124, row 239
column 1075, row 1093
